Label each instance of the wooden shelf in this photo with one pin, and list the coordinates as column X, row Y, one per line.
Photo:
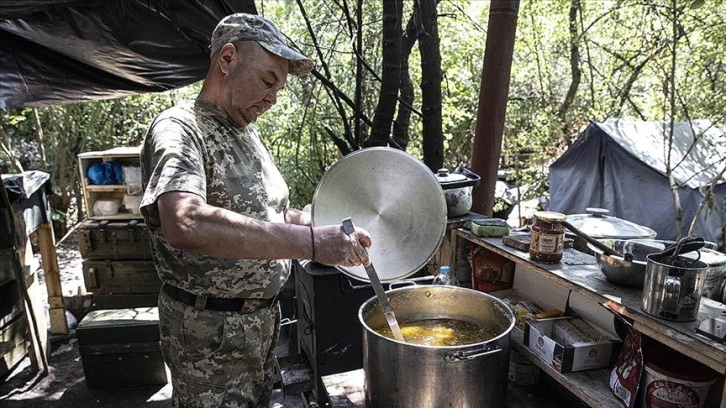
column 579, row 273
column 591, row 386
column 105, row 188
column 127, row 157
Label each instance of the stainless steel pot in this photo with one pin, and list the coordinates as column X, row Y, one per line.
column 457, row 190
column 407, row 375
column 603, row 227
column 672, row 292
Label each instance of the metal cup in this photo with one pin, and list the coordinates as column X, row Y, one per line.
column 673, row 287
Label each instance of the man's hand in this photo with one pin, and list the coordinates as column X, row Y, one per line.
column 334, row 247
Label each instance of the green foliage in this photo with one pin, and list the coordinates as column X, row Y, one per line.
column 625, row 55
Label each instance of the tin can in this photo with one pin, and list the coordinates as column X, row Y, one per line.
column 522, row 371
column 673, row 380
column 548, row 237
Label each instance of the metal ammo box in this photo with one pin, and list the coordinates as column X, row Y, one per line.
column 114, row 239
column 116, row 277
column 120, row 347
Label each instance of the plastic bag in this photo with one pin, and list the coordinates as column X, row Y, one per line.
column 105, row 173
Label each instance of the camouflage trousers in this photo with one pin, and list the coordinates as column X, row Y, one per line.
column 218, row 359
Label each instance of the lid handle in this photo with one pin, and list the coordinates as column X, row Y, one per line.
column 597, row 212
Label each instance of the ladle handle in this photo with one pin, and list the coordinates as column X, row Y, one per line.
column 349, row 228
column 684, row 245
column 597, row 244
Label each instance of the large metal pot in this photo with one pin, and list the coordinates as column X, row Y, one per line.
column 603, row 227
column 407, row 375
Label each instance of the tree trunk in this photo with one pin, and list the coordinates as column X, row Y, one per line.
column 493, row 96
column 390, row 77
column 431, row 77
column 403, row 115
column 41, row 140
column 576, row 71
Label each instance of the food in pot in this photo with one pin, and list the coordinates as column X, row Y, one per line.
column 440, row 332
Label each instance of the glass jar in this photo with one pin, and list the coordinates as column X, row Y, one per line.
column 548, row 237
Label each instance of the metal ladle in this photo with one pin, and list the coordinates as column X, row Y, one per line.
column 349, row 228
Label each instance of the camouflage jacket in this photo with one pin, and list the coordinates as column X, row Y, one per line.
column 194, row 148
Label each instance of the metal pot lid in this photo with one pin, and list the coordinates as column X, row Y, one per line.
column 443, row 176
column 396, row 198
column 599, row 225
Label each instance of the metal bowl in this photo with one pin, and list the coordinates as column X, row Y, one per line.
column 627, row 272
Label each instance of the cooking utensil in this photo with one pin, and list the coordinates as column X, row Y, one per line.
column 457, row 188
column 597, row 244
column 396, row 198
column 628, row 270
column 673, row 283
column 602, row 227
column 684, row 245
column 468, row 375
column 349, row 228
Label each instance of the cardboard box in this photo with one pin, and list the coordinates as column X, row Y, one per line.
column 538, row 337
column 522, row 315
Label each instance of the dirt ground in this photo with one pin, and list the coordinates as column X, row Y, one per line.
column 65, row 384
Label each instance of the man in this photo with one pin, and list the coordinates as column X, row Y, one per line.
column 221, row 231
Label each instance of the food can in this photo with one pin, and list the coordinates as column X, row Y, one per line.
column 521, row 370
column 548, row 237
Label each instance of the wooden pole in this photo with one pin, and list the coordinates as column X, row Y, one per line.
column 493, row 96
column 49, row 258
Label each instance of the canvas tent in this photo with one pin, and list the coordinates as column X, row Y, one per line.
column 620, row 165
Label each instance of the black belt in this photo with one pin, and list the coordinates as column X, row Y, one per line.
column 215, row 303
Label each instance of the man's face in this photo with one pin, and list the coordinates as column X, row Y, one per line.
column 253, row 78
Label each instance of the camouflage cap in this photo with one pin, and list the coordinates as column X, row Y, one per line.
column 251, row 27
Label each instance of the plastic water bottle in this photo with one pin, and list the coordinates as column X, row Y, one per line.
column 445, row 277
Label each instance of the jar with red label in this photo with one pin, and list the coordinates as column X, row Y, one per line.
column 548, row 237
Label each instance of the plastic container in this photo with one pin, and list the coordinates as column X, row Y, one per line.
column 106, row 207
column 132, row 203
column 445, row 277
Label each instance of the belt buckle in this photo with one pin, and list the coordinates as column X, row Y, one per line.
column 200, row 302
column 248, row 306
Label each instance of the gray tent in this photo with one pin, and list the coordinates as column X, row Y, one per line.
column 620, row 165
